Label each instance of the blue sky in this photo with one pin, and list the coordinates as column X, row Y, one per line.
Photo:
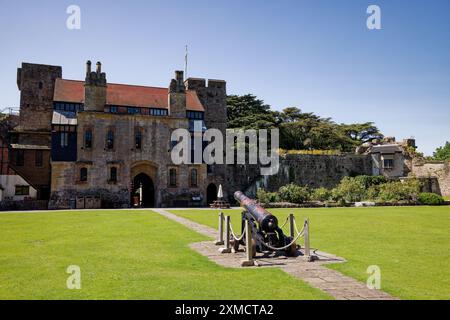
column 316, row 55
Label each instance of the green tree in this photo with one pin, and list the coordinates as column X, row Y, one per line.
column 442, row 153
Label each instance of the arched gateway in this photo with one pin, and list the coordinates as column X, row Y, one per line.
column 143, row 174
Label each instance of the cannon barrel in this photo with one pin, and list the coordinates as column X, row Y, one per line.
column 267, row 221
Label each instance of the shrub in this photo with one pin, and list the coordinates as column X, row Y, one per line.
column 350, row 189
column 431, row 199
column 400, row 190
column 266, row 197
column 373, row 193
column 369, row 181
column 293, row 193
column 321, row 194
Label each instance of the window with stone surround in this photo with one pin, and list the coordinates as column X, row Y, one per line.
column 83, row 174
column 88, row 138
column 110, row 139
column 138, row 138
column 172, row 177
column 113, row 174
column 194, row 177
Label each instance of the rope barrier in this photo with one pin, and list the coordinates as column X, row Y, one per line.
column 286, row 246
column 299, row 234
column 234, row 235
column 285, row 222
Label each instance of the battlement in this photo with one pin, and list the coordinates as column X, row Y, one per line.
column 197, row 83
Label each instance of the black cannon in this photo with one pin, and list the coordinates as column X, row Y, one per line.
column 266, row 234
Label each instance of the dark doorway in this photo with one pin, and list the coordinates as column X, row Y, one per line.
column 211, row 193
column 148, row 190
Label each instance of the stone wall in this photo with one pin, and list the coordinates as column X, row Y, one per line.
column 438, row 170
column 309, row 170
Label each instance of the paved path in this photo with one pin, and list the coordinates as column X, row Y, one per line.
column 314, row 273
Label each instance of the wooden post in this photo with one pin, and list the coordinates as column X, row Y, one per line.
column 291, row 226
column 227, row 248
column 307, row 248
column 248, row 262
column 220, row 240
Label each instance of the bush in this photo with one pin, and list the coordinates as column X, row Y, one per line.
column 369, row 181
column 266, row 197
column 321, row 194
column 373, row 193
column 350, row 189
column 400, row 190
column 293, row 193
column 431, row 199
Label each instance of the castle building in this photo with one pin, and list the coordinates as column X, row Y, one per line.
column 85, row 144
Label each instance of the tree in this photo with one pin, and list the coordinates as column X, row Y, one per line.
column 248, row 112
column 442, row 153
column 361, row 132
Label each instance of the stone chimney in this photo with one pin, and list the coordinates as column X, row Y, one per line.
column 177, row 96
column 95, row 87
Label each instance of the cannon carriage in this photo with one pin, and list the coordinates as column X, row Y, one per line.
column 265, row 231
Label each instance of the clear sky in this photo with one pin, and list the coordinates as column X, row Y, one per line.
column 316, row 55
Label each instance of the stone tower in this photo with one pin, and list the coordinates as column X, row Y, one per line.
column 95, row 88
column 177, row 96
column 36, row 83
column 214, row 98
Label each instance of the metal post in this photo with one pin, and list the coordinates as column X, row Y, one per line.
column 220, row 240
column 248, row 262
column 227, row 248
column 291, row 226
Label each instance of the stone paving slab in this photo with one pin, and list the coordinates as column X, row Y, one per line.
column 336, row 284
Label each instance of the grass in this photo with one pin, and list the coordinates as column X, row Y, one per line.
column 123, row 255
column 411, row 245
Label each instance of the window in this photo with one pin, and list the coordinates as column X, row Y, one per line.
column 20, row 157
column 388, row 163
column 83, row 174
column 38, row 158
column 88, row 139
column 113, row 174
column 197, row 115
column 193, row 177
column 132, row 110
column 64, row 137
column 138, row 139
column 173, row 177
column 22, row 190
column 110, row 140
column 113, row 109
column 159, row 112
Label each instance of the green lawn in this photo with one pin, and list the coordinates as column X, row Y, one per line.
column 123, row 255
column 411, row 245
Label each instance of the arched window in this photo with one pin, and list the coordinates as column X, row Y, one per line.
column 138, row 139
column 193, row 177
column 173, row 177
column 83, row 174
column 110, row 139
column 88, row 139
column 113, row 174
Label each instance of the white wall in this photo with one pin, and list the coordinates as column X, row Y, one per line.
column 9, row 183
